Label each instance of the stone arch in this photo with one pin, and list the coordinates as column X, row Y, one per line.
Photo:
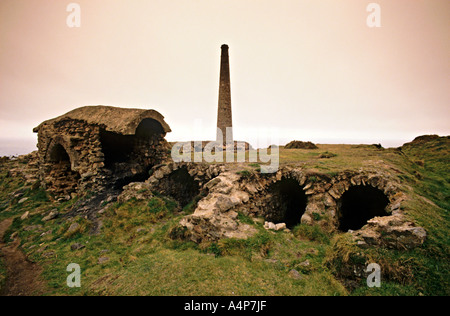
column 357, row 198
column 137, row 152
column 325, row 196
column 148, row 127
column 63, row 178
column 58, row 153
column 359, row 204
column 185, row 181
column 287, row 202
column 59, row 149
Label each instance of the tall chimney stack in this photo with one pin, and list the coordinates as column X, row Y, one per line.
column 224, row 118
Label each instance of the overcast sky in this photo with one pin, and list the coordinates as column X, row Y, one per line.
column 309, row 70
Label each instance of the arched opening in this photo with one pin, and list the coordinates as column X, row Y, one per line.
column 129, row 158
column 359, row 204
column 288, row 202
column 116, row 148
column 181, row 186
column 63, row 179
column 149, row 127
column 59, row 155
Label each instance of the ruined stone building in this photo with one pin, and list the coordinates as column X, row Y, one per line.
column 92, row 146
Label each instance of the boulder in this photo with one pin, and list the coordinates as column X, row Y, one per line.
column 136, row 190
column 393, row 232
column 214, row 218
column 276, row 227
column 280, row 226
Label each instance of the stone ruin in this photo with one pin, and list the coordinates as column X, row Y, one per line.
column 368, row 204
column 101, row 148
column 93, row 147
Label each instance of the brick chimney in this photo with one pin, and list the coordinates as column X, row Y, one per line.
column 224, row 117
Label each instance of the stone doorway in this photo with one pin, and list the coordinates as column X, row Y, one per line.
column 358, row 205
column 287, row 202
column 62, row 179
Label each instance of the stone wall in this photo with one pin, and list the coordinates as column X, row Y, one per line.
column 82, row 144
column 230, row 193
column 322, row 191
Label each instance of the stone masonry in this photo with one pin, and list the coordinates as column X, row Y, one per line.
column 95, row 146
column 224, row 194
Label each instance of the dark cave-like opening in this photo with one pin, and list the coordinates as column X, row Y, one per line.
column 149, row 127
column 359, row 204
column 64, row 179
column 59, row 155
column 181, row 186
column 120, row 182
column 288, row 202
column 116, row 148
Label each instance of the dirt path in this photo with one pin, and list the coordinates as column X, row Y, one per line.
column 23, row 276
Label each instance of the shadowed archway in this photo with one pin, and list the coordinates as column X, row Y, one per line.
column 358, row 205
column 288, row 202
column 64, row 180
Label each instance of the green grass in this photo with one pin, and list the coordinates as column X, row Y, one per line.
column 245, row 173
column 143, row 260
column 13, row 190
column 313, row 233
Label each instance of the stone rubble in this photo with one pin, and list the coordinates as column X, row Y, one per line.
column 276, row 227
column 393, row 232
column 214, row 218
column 216, row 215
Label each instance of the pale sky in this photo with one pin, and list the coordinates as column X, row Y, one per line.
column 308, row 70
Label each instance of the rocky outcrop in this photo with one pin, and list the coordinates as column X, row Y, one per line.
column 214, row 218
column 393, row 232
column 135, row 190
column 229, row 194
